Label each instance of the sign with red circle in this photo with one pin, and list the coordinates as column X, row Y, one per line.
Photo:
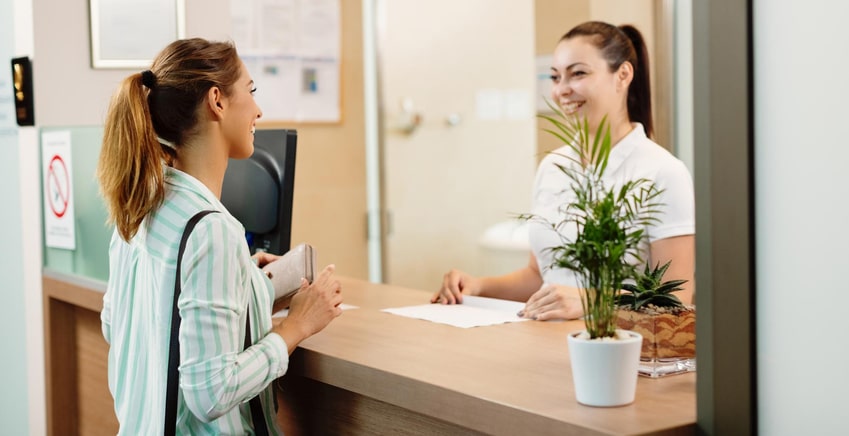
column 57, row 189
column 58, row 186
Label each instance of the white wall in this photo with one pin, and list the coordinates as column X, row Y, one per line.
column 445, row 185
column 14, row 396
column 69, row 91
column 29, row 230
column 801, row 211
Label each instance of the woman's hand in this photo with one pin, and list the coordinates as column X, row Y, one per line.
column 311, row 309
column 553, row 302
column 455, row 284
column 262, row 258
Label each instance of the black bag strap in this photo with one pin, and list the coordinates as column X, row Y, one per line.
column 260, row 426
column 257, row 415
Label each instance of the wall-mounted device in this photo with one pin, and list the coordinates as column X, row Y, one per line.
column 22, row 89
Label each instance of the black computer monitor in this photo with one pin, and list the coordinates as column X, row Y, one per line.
column 258, row 191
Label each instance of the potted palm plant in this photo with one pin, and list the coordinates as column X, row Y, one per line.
column 610, row 222
column 668, row 327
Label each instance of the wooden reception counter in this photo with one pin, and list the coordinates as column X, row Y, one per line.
column 372, row 372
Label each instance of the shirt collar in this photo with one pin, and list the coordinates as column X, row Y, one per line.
column 620, row 152
column 183, row 180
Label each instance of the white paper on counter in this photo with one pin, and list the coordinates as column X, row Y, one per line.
column 474, row 312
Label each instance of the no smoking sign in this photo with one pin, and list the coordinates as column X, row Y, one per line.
column 58, row 186
column 58, row 190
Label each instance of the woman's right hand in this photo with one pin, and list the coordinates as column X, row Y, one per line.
column 455, row 284
column 311, row 309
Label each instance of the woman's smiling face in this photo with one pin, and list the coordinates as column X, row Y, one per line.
column 241, row 125
column 582, row 83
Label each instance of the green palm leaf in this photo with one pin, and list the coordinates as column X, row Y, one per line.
column 610, row 223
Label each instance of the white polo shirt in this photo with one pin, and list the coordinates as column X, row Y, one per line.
column 634, row 157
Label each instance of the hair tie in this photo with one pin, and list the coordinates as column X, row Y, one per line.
column 148, row 79
column 166, row 143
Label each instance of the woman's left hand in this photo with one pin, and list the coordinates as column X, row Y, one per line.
column 553, row 302
column 262, row 258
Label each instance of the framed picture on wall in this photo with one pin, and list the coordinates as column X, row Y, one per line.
column 129, row 33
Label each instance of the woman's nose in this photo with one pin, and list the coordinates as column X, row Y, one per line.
column 562, row 88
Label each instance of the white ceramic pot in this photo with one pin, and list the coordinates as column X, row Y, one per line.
column 605, row 371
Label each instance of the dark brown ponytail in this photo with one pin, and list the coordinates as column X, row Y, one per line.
column 618, row 45
column 639, row 93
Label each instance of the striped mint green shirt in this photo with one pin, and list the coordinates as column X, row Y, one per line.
column 220, row 283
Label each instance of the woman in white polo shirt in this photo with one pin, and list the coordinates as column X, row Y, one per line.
column 598, row 69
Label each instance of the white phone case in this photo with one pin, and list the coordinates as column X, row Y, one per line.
column 286, row 272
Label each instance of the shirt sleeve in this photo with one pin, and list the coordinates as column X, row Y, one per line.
column 216, row 374
column 678, row 216
column 106, row 312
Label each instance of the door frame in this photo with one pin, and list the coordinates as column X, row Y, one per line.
column 725, row 215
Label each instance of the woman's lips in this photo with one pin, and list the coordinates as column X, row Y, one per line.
column 570, row 107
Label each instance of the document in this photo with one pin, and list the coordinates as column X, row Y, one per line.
column 474, row 312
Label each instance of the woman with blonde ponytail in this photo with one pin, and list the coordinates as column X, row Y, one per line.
column 168, row 135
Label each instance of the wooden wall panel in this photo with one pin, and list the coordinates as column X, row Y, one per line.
column 309, row 407
column 61, row 367
column 94, row 402
column 329, row 209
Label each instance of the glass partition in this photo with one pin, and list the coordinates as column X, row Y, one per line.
column 90, row 257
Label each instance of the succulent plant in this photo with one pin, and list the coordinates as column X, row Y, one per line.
column 650, row 289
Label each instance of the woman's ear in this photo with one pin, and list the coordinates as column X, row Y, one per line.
column 624, row 76
column 215, row 102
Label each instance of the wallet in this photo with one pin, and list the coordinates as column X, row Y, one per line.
column 286, row 272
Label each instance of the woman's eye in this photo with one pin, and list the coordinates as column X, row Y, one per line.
column 578, row 73
column 253, row 91
column 554, row 78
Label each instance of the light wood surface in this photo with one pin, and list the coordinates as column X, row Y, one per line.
column 371, row 372
column 505, row 379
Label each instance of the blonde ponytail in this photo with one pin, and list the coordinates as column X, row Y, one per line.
column 130, row 167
